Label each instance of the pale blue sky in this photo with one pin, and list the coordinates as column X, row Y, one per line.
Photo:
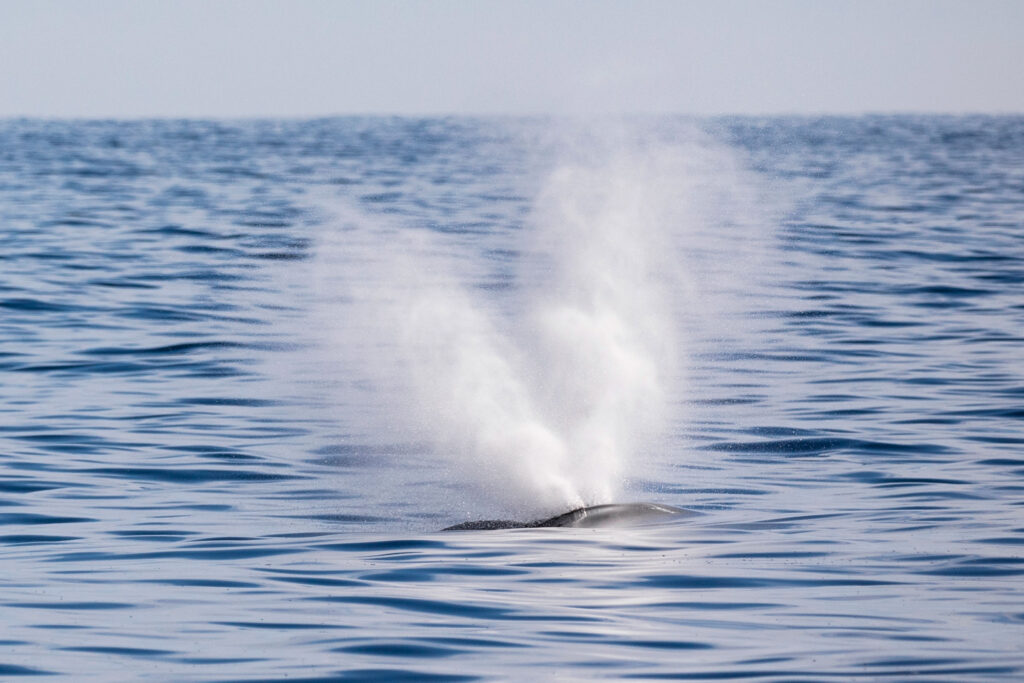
column 130, row 58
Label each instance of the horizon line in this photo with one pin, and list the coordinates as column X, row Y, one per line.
column 440, row 114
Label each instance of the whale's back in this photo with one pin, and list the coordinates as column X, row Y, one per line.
column 616, row 514
column 621, row 514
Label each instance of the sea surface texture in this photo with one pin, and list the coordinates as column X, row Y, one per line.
column 204, row 474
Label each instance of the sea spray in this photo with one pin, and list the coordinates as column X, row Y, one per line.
column 597, row 323
column 547, row 399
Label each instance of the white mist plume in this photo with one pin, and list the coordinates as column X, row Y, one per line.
column 542, row 404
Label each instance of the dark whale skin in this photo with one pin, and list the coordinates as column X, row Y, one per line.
column 616, row 514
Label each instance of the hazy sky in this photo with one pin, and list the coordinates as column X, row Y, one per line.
column 313, row 57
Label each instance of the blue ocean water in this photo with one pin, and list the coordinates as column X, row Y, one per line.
column 197, row 482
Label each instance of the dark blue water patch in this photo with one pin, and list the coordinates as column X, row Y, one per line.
column 386, row 546
column 299, row 534
column 789, row 431
column 1012, row 561
column 120, row 651
column 210, row 250
column 216, row 277
column 724, row 401
column 160, row 535
column 202, row 583
column 193, row 507
column 376, row 675
column 128, row 282
column 168, row 349
column 949, row 291
column 199, row 449
column 768, row 359
column 1001, row 540
column 75, row 222
column 220, row 541
column 300, row 573
column 885, row 480
column 430, row 573
column 789, row 555
column 263, row 221
column 240, row 173
column 400, row 649
column 32, row 485
column 788, row 522
column 32, row 305
column 217, row 661
column 190, row 475
column 994, row 439
column 228, row 401
column 938, row 495
column 230, row 456
column 57, row 255
column 190, row 232
column 814, row 446
column 168, row 314
column 32, row 518
column 320, row 581
column 840, row 673
column 914, row 663
column 282, row 625
column 241, row 552
column 971, row 570
column 280, row 255
column 34, row 539
column 15, row 670
column 670, row 645
column 424, row 606
column 1000, row 413
column 86, row 368
column 474, row 643
column 712, row 606
column 314, row 494
column 699, row 583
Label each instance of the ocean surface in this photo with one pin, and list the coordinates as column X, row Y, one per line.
column 202, row 477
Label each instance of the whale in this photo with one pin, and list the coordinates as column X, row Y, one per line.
column 594, row 516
